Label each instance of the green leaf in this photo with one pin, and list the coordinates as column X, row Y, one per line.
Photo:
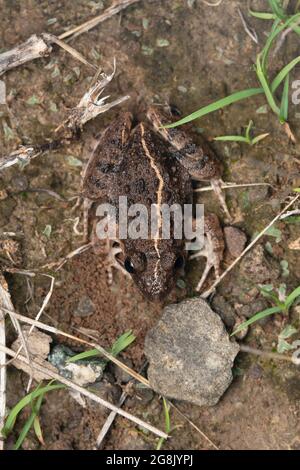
column 233, row 98
column 283, row 73
column 276, row 29
column 248, row 130
column 292, row 297
column 262, row 15
column 167, row 424
column 33, row 100
column 277, row 9
column 258, row 316
column 264, row 83
column 284, row 107
column 30, row 421
column 283, row 346
column 73, row 161
column 274, row 232
column 9, row 424
column 38, row 430
column 259, row 138
column 122, row 343
column 287, row 332
column 47, row 231
column 84, row 355
column 232, row 138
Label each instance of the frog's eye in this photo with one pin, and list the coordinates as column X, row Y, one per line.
column 129, row 266
column 179, row 263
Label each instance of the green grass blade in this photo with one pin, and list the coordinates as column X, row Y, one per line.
column 215, row 106
column 122, row 343
column 24, row 432
column 258, row 138
column 9, row 424
column 284, row 107
column 264, row 83
column 262, row 15
column 167, row 417
column 38, row 430
column 277, row 9
column 258, row 316
column 231, row 138
column 292, row 297
column 84, row 355
column 283, row 73
column 248, row 130
column 276, row 29
column 167, row 424
column 30, row 421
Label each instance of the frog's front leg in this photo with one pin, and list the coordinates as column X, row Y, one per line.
column 213, row 248
column 199, row 160
column 113, row 250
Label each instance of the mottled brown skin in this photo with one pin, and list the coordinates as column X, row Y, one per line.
column 142, row 165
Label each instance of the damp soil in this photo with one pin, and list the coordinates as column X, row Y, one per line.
column 187, row 54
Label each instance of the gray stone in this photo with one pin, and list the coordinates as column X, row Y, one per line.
column 190, row 354
column 235, row 240
column 225, row 310
column 257, row 267
column 85, row 308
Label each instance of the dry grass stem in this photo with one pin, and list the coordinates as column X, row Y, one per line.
column 108, row 13
column 193, row 425
column 231, row 186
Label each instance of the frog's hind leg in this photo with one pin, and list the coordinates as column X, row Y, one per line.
column 213, row 248
column 199, row 160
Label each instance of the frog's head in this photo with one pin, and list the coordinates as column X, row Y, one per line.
column 155, row 271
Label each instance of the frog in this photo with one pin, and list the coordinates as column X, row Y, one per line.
column 150, row 164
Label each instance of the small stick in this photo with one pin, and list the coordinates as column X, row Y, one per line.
column 269, row 355
column 108, row 13
column 248, row 248
column 250, row 31
column 231, row 186
column 87, row 393
column 193, row 425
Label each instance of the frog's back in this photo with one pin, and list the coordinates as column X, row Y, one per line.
column 150, row 173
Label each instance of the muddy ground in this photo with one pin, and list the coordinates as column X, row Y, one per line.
column 187, row 54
